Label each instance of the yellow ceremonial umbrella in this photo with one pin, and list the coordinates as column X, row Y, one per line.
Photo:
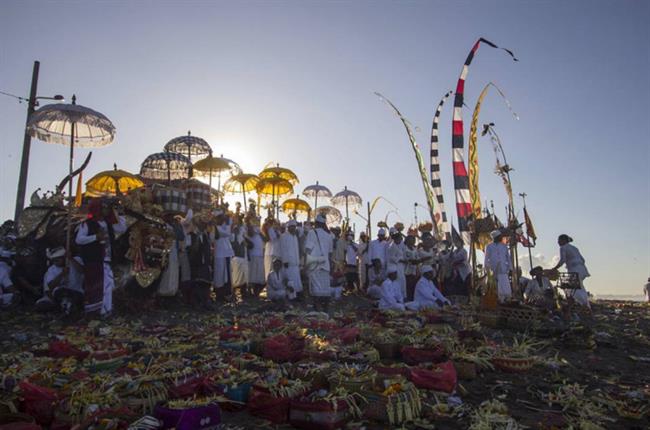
column 241, row 183
column 114, row 181
column 296, row 205
column 274, row 186
column 279, row 172
column 210, row 165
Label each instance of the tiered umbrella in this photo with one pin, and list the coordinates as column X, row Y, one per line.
column 165, row 165
column 113, row 182
column 241, row 183
column 189, row 146
column 73, row 125
column 219, row 165
column 274, row 187
column 315, row 191
column 296, row 205
column 279, row 172
column 347, row 198
column 332, row 215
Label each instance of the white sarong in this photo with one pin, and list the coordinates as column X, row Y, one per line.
column 319, row 283
column 293, row 274
column 256, row 271
column 239, row 271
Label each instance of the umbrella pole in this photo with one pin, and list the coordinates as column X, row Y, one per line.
column 245, row 205
column 347, row 217
column 316, row 200
column 210, row 181
column 68, row 234
column 219, row 187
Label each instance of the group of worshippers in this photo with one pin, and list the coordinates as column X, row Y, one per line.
column 216, row 252
column 230, row 252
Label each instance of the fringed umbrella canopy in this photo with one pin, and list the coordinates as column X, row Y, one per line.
column 188, row 145
column 295, row 205
column 332, row 214
column 347, row 197
column 279, row 172
column 274, row 186
column 165, row 166
column 241, row 183
column 53, row 124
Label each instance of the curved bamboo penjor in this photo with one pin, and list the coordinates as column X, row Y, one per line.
column 461, row 183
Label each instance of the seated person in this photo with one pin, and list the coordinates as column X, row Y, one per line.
column 6, row 284
column 537, row 290
column 375, row 279
column 278, row 287
column 426, row 294
column 391, row 291
column 62, row 286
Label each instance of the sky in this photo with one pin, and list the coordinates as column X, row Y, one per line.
column 293, row 81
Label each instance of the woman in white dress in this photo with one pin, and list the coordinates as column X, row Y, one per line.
column 575, row 263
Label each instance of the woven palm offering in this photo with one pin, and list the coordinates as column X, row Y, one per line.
column 519, row 357
column 353, row 377
column 396, row 402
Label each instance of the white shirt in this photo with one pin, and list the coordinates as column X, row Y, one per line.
column 426, row 294
column 319, row 244
column 289, row 250
column 534, row 290
column 391, row 295
column 273, row 246
column 83, row 238
column 459, row 261
column 570, row 255
column 497, row 258
column 223, row 247
column 362, row 253
column 5, row 276
column 411, row 255
column 257, row 250
column 276, row 285
column 351, row 254
column 377, row 250
column 395, row 254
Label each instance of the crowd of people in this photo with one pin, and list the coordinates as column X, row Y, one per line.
column 217, row 255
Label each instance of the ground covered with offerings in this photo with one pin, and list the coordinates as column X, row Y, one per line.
column 245, row 366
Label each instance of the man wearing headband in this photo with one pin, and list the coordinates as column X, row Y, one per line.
column 290, row 252
column 391, row 294
column 426, row 294
column 378, row 247
column 497, row 260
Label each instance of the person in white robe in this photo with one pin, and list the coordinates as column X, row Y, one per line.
column 575, row 263
column 290, row 256
column 376, row 277
column 272, row 248
column 378, row 247
column 239, row 261
column 411, row 268
column 6, row 284
column 536, row 287
column 646, row 291
column 319, row 248
column 497, row 260
column 256, row 279
column 391, row 294
column 351, row 264
column 222, row 277
column 363, row 259
column 170, row 279
column 395, row 256
column 427, row 294
column 277, row 283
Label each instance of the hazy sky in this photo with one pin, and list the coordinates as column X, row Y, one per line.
column 293, row 82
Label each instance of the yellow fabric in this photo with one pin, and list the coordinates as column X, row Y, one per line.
column 279, row 172
column 297, row 205
column 244, row 182
column 107, row 182
column 78, row 197
column 473, row 169
column 274, row 186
